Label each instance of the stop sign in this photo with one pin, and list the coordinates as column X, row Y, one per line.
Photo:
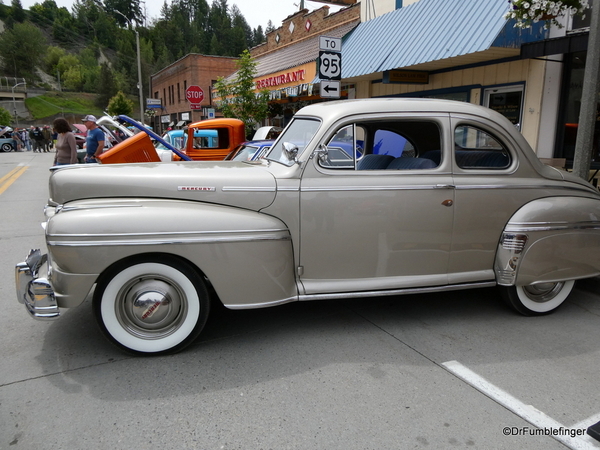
column 194, row 94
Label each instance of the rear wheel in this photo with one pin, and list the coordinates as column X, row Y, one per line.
column 152, row 307
column 538, row 299
column 6, row 147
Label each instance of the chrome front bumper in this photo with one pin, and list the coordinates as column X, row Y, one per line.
column 35, row 293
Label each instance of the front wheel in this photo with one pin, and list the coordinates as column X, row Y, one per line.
column 537, row 299
column 7, row 147
column 152, row 307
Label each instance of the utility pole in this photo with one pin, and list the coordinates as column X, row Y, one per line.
column 589, row 99
column 14, row 102
column 139, row 66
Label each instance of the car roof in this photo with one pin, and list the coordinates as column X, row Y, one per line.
column 340, row 108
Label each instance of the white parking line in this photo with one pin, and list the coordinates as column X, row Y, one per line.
column 535, row 417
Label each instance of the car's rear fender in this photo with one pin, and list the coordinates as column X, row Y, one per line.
column 550, row 239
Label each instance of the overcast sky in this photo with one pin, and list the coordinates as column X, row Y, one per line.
column 256, row 12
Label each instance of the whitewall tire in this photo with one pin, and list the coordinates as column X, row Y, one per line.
column 154, row 307
column 538, row 299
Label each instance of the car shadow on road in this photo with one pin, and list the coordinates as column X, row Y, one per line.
column 245, row 347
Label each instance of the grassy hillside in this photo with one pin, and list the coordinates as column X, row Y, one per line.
column 66, row 104
column 57, row 103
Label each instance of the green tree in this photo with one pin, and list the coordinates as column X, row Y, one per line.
column 17, row 12
column 72, row 78
column 42, row 14
column 5, row 117
column 270, row 27
column 129, row 8
column 66, row 62
column 107, row 86
column 53, row 56
column 258, row 37
column 22, row 49
column 64, row 27
column 120, row 104
column 237, row 97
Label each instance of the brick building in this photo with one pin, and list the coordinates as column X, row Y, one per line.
column 169, row 85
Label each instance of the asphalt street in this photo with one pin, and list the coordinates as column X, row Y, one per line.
column 454, row 370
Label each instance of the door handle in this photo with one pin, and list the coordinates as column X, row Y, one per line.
column 448, row 202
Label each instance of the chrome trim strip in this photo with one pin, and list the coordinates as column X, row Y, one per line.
column 78, row 207
column 368, row 188
column 521, row 186
column 438, row 186
column 407, row 291
column 290, row 189
column 551, row 226
column 262, row 305
column 171, row 233
column 247, row 189
column 165, row 241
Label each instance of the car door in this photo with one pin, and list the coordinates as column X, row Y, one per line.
column 368, row 225
column 491, row 185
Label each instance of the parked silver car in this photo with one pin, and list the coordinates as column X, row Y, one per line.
column 411, row 196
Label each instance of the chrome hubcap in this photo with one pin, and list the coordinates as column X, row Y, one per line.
column 543, row 292
column 151, row 307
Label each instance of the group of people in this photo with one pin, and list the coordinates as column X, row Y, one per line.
column 37, row 139
column 42, row 139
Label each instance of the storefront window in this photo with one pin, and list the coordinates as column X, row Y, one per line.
column 570, row 119
column 507, row 100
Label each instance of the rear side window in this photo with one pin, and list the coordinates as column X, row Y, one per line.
column 477, row 149
column 401, row 144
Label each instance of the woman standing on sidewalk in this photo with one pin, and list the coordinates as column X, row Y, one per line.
column 66, row 147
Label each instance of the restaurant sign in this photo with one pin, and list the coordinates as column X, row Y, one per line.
column 284, row 78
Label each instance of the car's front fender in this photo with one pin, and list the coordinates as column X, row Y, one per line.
column 247, row 256
column 550, row 239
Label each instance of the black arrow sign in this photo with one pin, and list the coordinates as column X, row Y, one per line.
column 328, row 89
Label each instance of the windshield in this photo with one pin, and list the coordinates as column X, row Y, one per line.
column 298, row 134
column 245, row 153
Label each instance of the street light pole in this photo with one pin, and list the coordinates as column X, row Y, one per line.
column 14, row 102
column 139, row 66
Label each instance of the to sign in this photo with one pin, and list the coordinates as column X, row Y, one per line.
column 330, row 66
column 194, row 94
column 330, row 43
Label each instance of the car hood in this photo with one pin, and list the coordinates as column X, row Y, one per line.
column 225, row 183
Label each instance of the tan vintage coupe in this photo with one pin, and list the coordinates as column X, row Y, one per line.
column 355, row 199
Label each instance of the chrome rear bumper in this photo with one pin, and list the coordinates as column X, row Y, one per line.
column 35, row 293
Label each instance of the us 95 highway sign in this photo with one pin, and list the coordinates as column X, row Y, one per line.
column 330, row 65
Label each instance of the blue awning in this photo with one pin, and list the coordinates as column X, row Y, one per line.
column 433, row 35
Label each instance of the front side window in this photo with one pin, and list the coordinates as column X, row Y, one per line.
column 477, row 149
column 293, row 141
